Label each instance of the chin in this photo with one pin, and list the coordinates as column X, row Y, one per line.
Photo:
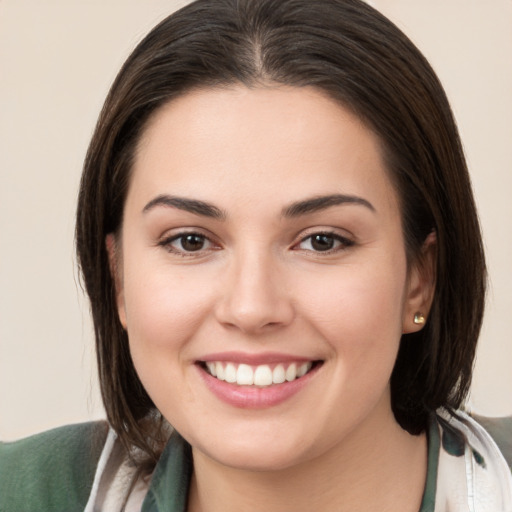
column 257, row 452
column 256, row 459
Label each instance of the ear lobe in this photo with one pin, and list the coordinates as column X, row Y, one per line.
column 421, row 287
column 111, row 244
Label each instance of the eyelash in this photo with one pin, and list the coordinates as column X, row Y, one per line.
column 167, row 243
column 342, row 243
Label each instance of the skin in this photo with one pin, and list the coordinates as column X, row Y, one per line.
column 257, row 284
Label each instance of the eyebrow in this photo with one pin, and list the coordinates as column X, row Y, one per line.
column 296, row 209
column 189, row 205
column 318, row 203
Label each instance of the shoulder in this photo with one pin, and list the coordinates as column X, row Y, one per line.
column 472, row 472
column 500, row 430
column 51, row 471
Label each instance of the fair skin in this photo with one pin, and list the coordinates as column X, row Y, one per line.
column 294, row 258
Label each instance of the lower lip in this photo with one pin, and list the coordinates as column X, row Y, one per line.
column 252, row 397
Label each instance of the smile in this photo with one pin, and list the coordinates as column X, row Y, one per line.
column 263, row 375
column 256, row 381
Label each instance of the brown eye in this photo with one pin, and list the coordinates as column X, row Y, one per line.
column 187, row 243
column 324, row 242
column 192, row 242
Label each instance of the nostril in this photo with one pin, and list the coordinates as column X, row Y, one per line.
column 253, row 316
column 253, row 298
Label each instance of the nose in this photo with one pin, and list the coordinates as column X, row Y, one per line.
column 254, row 297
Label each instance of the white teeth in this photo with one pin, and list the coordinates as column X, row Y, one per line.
column 278, row 375
column 230, row 373
column 303, row 369
column 211, row 368
column 263, row 376
column 244, row 375
column 219, row 369
column 291, row 372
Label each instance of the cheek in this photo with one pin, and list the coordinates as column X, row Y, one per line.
column 363, row 300
column 358, row 311
column 164, row 310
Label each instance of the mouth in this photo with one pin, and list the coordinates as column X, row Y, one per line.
column 256, row 381
column 258, row 376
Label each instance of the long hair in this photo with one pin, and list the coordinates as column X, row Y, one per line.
column 348, row 50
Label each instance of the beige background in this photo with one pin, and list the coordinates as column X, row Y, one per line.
column 57, row 59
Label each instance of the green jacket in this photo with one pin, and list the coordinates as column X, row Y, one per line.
column 54, row 471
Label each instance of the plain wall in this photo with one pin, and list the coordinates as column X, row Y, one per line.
column 57, row 60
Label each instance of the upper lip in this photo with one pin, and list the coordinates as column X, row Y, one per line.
column 255, row 359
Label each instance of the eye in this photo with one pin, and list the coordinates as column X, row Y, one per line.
column 324, row 242
column 187, row 243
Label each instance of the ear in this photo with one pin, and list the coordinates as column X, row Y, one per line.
column 420, row 287
column 114, row 260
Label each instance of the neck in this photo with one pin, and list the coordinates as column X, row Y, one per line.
column 383, row 469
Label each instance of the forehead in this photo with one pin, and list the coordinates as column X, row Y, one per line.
column 274, row 141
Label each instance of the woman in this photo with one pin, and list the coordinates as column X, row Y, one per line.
column 279, row 240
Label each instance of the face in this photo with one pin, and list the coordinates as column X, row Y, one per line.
column 262, row 276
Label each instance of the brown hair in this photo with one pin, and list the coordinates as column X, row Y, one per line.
column 350, row 51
